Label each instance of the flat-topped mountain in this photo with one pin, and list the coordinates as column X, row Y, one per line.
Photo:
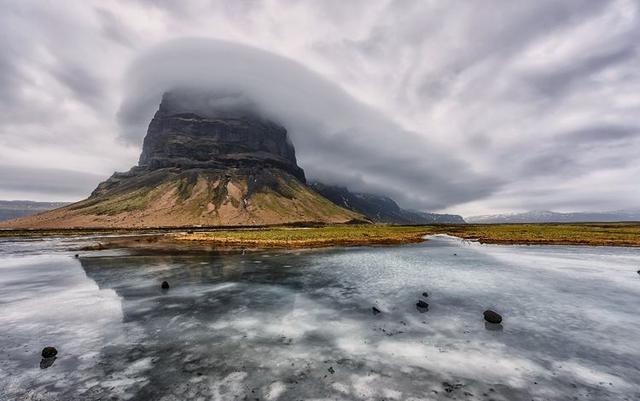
column 178, row 137
column 202, row 165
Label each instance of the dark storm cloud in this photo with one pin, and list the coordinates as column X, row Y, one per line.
column 336, row 137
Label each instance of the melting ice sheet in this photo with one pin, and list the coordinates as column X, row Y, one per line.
column 299, row 325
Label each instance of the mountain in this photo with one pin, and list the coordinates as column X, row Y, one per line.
column 19, row 208
column 202, row 166
column 555, row 217
column 380, row 209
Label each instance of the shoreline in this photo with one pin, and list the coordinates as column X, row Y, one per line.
column 296, row 237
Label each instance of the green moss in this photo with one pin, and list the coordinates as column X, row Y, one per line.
column 219, row 193
column 132, row 201
column 185, row 186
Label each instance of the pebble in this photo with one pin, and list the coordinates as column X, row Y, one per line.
column 422, row 304
column 492, row 316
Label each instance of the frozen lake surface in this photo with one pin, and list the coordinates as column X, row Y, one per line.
column 283, row 325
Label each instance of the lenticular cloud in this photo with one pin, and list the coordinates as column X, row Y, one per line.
column 338, row 140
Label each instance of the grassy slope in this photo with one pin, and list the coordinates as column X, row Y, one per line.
column 207, row 199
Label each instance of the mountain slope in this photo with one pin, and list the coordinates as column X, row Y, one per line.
column 171, row 197
column 381, row 209
column 227, row 167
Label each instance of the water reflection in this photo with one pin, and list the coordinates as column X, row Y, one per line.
column 300, row 325
column 47, row 362
column 493, row 326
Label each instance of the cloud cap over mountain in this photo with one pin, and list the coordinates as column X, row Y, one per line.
column 337, row 139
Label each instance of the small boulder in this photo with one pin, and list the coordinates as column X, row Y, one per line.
column 331, row 370
column 49, row 352
column 165, row 285
column 425, row 294
column 638, row 272
column 76, row 256
column 422, row 304
column 492, row 317
column 375, row 310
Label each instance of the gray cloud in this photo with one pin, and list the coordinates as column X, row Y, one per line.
column 33, row 181
column 601, row 134
column 336, row 137
column 475, row 108
column 113, row 28
column 81, row 82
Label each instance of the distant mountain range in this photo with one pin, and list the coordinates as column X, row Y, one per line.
column 555, row 217
column 380, row 209
column 20, row 208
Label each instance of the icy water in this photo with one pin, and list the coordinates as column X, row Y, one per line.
column 299, row 325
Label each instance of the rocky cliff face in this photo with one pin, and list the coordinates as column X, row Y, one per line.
column 177, row 137
column 183, row 137
column 206, row 166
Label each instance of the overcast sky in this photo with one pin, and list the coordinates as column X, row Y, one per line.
column 468, row 107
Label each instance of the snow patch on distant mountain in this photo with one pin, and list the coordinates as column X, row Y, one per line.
column 545, row 216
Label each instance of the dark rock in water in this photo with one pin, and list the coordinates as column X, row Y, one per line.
column 331, row 370
column 375, row 310
column 493, row 326
column 47, row 362
column 49, row 352
column 165, row 285
column 449, row 388
column 425, row 294
column 492, row 317
column 422, row 304
column 638, row 272
column 76, row 256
